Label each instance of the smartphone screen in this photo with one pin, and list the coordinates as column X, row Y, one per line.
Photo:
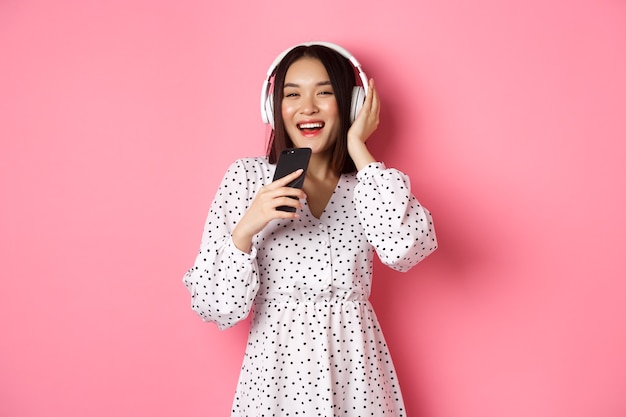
column 290, row 160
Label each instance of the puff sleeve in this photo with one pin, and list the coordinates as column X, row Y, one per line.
column 396, row 224
column 223, row 280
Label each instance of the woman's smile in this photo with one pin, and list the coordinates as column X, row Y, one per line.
column 311, row 128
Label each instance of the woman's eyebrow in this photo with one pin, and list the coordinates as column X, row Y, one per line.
column 320, row 84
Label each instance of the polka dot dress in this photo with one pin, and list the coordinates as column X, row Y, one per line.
column 315, row 347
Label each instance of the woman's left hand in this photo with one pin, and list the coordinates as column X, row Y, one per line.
column 367, row 120
column 364, row 125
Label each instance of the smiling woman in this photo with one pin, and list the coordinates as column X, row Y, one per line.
column 315, row 346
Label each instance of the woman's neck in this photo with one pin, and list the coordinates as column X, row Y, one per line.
column 320, row 169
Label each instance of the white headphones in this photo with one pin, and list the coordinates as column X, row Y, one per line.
column 358, row 92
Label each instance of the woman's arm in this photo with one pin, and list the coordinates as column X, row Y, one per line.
column 396, row 224
column 223, row 280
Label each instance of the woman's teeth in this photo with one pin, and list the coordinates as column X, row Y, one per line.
column 315, row 125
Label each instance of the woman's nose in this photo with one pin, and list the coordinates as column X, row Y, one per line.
column 309, row 106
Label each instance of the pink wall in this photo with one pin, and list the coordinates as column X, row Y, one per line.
column 118, row 119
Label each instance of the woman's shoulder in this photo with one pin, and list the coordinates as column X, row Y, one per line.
column 257, row 167
column 251, row 162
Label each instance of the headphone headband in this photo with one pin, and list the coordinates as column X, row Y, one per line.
column 358, row 93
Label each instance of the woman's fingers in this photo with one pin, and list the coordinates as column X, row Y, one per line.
column 282, row 182
column 375, row 103
column 280, row 188
column 368, row 118
column 278, row 193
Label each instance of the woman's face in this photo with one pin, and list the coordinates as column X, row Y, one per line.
column 309, row 107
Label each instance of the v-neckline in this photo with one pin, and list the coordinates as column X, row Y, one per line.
column 328, row 203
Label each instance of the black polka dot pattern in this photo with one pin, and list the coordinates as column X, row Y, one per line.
column 315, row 347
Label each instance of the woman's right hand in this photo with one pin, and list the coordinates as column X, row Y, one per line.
column 263, row 209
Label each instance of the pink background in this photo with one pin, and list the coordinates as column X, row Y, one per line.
column 118, row 120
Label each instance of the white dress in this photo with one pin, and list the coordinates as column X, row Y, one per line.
column 315, row 347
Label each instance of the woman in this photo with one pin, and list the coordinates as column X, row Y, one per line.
column 315, row 347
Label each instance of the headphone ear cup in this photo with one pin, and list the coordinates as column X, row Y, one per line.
column 358, row 98
column 269, row 110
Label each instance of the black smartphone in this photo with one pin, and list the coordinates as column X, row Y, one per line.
column 290, row 160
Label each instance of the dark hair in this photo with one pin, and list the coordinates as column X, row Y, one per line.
column 342, row 78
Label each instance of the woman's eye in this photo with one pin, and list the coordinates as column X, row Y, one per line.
column 291, row 94
column 324, row 93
